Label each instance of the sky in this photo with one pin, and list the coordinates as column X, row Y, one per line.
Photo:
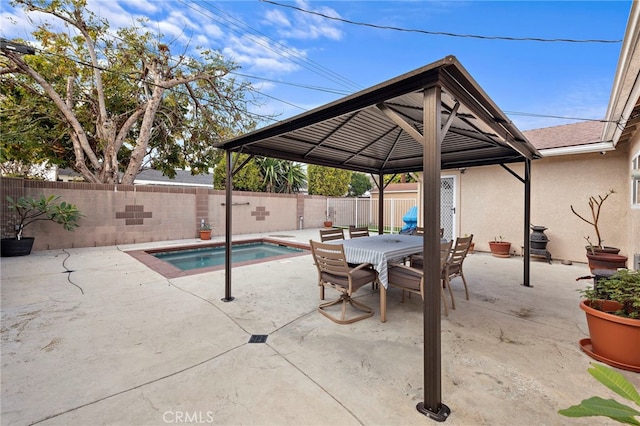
column 299, row 61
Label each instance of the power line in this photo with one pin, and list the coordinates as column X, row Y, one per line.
column 287, row 53
column 440, row 33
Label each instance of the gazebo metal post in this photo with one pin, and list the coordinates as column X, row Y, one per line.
column 381, row 203
column 527, row 217
column 432, row 141
column 527, row 222
column 228, row 230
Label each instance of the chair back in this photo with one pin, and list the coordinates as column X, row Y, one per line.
column 459, row 251
column 329, row 258
column 355, row 232
column 331, row 234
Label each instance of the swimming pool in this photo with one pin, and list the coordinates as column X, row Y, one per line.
column 214, row 256
column 173, row 262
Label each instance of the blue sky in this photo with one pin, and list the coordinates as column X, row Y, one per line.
column 322, row 60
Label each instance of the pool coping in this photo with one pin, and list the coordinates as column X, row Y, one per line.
column 167, row 270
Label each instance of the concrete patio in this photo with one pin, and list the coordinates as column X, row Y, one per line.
column 92, row 336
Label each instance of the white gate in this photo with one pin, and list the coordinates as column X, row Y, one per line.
column 364, row 211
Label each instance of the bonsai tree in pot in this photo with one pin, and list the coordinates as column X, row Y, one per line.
column 595, row 205
column 612, row 307
column 29, row 210
column 499, row 248
column 598, row 255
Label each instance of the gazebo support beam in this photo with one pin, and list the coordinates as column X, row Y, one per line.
column 432, row 406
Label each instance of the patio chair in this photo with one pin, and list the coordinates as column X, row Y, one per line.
column 355, row 232
column 334, row 272
column 453, row 267
column 331, row 234
column 411, row 279
column 420, row 231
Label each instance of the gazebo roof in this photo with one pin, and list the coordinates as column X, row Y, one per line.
column 378, row 129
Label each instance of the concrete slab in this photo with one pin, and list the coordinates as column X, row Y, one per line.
column 113, row 342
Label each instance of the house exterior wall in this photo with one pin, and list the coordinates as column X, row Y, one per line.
column 126, row 214
column 492, row 202
column 633, row 224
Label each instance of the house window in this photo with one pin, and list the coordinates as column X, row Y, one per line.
column 635, row 180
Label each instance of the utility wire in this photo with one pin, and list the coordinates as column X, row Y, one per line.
column 440, row 33
column 284, row 51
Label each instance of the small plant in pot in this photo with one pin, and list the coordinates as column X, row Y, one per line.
column 612, row 307
column 205, row 230
column 29, row 210
column 499, row 247
column 328, row 223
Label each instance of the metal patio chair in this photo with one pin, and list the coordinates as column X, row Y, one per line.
column 334, row 272
column 411, row 279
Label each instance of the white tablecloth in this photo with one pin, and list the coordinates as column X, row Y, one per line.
column 380, row 249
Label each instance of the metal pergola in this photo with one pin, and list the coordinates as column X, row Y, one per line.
column 428, row 120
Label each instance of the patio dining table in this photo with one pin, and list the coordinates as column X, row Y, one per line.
column 380, row 249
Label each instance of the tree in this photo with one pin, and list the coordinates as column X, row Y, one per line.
column 119, row 103
column 328, row 181
column 360, row 183
column 293, row 178
column 248, row 178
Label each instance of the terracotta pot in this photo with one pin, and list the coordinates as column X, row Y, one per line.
column 205, row 235
column 608, row 261
column 613, row 338
column 500, row 248
column 328, row 224
column 16, row 247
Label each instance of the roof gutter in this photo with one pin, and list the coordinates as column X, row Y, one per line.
column 600, row 147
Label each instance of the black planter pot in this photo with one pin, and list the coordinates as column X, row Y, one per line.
column 14, row 247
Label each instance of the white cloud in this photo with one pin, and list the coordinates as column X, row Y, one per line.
column 301, row 25
column 260, row 54
column 276, row 17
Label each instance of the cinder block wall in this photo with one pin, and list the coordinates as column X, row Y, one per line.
column 125, row 214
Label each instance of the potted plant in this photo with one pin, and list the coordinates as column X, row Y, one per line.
column 612, row 308
column 328, row 223
column 29, row 210
column 500, row 248
column 205, row 230
column 595, row 205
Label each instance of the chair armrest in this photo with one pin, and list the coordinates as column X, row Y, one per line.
column 408, row 268
column 362, row 266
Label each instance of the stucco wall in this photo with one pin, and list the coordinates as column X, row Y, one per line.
column 127, row 214
column 492, row 202
column 633, row 238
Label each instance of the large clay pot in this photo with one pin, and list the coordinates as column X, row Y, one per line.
column 605, row 249
column 500, row 248
column 608, row 261
column 14, row 247
column 205, row 234
column 614, row 340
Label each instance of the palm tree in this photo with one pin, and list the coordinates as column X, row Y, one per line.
column 271, row 172
column 293, row 177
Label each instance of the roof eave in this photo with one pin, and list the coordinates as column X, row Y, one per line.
column 626, row 87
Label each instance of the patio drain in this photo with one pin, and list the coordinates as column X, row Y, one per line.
column 258, row 338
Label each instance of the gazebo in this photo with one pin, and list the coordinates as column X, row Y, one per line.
column 428, row 120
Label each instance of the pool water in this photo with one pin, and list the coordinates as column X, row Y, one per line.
column 214, row 256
